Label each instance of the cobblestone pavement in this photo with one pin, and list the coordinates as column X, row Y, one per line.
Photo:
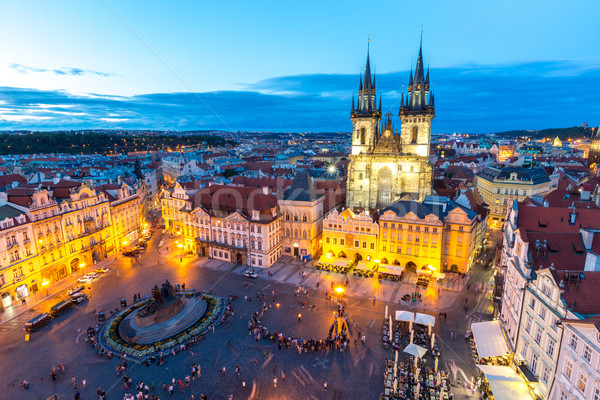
column 353, row 374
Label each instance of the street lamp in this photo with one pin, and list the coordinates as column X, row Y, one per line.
column 181, row 247
column 45, row 284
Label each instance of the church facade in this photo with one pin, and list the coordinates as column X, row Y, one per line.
column 387, row 165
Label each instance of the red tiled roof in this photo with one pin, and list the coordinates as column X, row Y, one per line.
column 581, row 295
column 233, row 198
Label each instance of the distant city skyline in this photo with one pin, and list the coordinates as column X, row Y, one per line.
column 495, row 65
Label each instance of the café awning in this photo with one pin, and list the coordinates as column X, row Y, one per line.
column 341, row 262
column 505, row 383
column 365, row 266
column 389, row 269
column 489, row 340
column 424, row 272
column 424, row 319
column 406, row 316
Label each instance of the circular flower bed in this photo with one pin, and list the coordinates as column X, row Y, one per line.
column 112, row 341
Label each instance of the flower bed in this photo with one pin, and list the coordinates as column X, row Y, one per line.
column 112, row 341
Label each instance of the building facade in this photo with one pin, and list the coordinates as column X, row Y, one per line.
column 437, row 234
column 302, row 218
column 384, row 164
column 498, row 187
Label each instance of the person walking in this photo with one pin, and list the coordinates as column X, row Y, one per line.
column 325, row 385
column 275, row 382
column 83, row 382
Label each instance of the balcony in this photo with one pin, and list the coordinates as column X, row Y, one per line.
column 221, row 245
column 524, row 369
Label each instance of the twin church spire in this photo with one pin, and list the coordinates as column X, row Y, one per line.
column 419, row 98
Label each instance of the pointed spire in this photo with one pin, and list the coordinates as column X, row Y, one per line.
column 360, row 86
column 427, row 77
column 410, row 80
column 374, row 76
column 431, row 100
column 352, row 102
column 380, row 109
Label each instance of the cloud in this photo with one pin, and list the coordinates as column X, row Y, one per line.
column 469, row 98
column 24, row 69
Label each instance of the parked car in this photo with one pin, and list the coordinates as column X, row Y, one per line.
column 102, row 270
column 129, row 253
column 148, row 237
column 75, row 290
column 143, row 244
column 92, row 275
column 78, row 297
column 85, row 279
column 250, row 274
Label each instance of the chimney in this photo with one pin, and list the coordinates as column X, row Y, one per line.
column 546, row 204
column 572, row 218
column 265, row 190
column 587, row 237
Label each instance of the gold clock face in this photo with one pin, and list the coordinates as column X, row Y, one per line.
column 387, row 133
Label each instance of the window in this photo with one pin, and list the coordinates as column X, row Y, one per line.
column 384, row 248
column 543, row 312
column 373, row 246
column 528, row 324
column 342, row 242
column 573, row 341
column 538, row 335
column 524, row 349
column 596, row 394
column 364, row 245
column 563, row 395
column 568, row 369
column 532, row 303
column 356, row 243
column 334, row 241
column 581, row 382
column 534, row 361
column 460, row 238
column 550, row 349
column 545, row 374
column 458, row 252
column 587, row 353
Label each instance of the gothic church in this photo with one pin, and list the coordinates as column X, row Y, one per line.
column 385, row 165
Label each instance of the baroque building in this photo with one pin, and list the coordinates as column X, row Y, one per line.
column 386, row 165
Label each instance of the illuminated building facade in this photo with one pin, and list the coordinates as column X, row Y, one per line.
column 594, row 153
column 436, row 234
column 234, row 224
column 498, row 187
column 302, row 218
column 384, row 164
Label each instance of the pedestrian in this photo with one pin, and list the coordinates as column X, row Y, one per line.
column 275, row 382
column 282, row 376
column 83, row 382
column 74, row 381
column 325, row 385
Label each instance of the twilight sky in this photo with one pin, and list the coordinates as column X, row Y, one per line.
column 272, row 65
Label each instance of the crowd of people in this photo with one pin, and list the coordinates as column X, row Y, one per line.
column 337, row 338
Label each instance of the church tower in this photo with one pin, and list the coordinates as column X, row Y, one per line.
column 417, row 110
column 386, row 166
column 365, row 117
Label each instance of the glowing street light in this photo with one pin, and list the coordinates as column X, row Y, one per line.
column 339, row 290
column 45, row 284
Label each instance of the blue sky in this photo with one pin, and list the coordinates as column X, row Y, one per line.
column 496, row 65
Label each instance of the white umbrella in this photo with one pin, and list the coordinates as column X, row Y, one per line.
column 432, row 340
column 438, row 376
column 396, row 365
column 391, row 329
column 435, row 364
column 395, row 385
column 415, row 350
column 386, row 311
column 429, row 329
column 442, row 390
column 404, row 315
column 418, row 396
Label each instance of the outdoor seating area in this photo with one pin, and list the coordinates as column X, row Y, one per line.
column 488, row 344
column 391, row 272
column 334, row 264
column 414, row 372
column 365, row 268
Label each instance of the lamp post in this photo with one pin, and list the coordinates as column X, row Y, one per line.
column 180, row 245
column 45, row 284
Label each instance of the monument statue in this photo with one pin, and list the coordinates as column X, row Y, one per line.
column 165, row 303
